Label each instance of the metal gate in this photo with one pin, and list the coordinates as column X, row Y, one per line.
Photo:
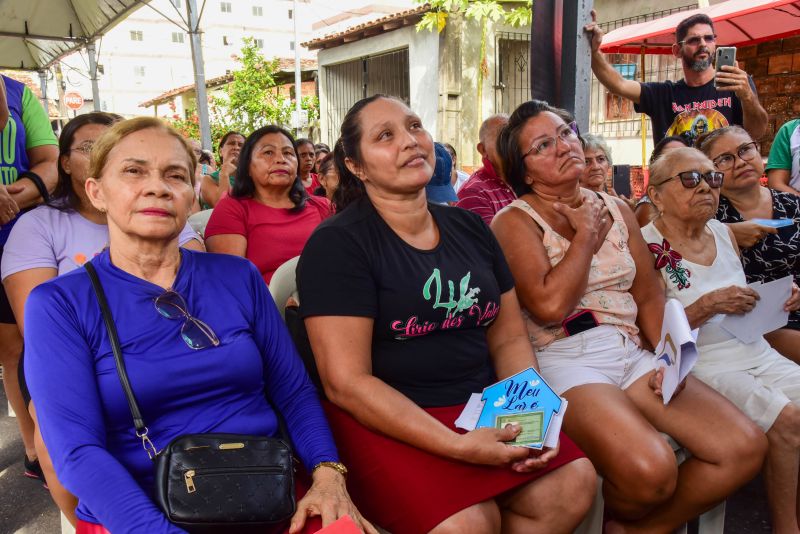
column 347, row 83
column 512, row 70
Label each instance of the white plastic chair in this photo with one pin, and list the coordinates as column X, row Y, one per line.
column 283, row 284
column 199, row 220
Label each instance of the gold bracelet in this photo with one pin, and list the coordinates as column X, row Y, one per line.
column 337, row 466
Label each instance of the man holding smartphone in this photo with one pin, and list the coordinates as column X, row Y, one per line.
column 693, row 105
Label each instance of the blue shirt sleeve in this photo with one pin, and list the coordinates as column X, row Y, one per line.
column 59, row 370
column 287, row 383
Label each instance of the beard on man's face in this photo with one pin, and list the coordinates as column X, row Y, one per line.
column 698, row 65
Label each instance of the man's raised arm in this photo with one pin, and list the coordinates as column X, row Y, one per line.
column 608, row 75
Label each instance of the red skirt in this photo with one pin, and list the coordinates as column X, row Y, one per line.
column 406, row 490
column 301, row 485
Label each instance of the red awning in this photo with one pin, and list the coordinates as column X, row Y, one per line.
column 736, row 22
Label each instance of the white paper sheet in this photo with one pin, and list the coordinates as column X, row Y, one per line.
column 768, row 314
column 551, row 438
column 676, row 352
column 471, row 413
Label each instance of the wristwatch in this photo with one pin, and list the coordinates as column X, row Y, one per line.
column 338, row 466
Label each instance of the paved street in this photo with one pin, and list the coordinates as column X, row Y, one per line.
column 26, row 508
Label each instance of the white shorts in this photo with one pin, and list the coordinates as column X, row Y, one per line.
column 602, row 355
column 754, row 377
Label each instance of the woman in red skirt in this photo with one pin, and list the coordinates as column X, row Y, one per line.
column 410, row 308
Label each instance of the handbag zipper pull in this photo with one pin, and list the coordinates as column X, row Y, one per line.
column 188, row 478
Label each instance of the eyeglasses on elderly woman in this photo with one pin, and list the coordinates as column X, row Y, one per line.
column 691, row 179
column 547, row 145
column 746, row 152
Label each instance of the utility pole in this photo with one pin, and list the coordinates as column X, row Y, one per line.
column 199, row 74
column 561, row 64
column 90, row 49
column 298, row 86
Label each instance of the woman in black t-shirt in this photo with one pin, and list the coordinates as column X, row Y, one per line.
column 410, row 308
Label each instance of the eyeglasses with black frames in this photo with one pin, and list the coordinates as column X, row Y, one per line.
column 746, row 152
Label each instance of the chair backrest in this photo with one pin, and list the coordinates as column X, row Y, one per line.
column 199, row 220
column 283, row 284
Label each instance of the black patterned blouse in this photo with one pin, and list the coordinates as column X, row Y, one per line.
column 776, row 255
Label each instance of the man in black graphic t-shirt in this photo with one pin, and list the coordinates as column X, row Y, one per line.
column 691, row 106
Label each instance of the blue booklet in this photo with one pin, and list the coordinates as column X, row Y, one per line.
column 524, row 398
column 773, row 223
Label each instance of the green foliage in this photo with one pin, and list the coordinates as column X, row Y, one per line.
column 253, row 100
column 250, row 101
column 512, row 12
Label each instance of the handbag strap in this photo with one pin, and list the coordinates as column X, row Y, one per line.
column 111, row 328
column 138, row 421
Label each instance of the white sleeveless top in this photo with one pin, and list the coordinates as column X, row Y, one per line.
column 688, row 281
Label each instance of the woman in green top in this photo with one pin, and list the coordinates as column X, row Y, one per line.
column 212, row 188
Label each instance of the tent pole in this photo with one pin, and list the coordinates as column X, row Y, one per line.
column 43, row 86
column 199, row 74
column 298, row 85
column 93, row 75
column 643, row 118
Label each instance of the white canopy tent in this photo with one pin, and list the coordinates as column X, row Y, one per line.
column 34, row 34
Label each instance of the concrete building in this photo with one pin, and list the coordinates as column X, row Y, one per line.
column 438, row 75
column 148, row 54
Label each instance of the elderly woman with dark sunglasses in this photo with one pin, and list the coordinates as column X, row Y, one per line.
column 202, row 356
column 699, row 263
column 767, row 253
column 592, row 301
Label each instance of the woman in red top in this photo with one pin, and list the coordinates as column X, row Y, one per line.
column 268, row 216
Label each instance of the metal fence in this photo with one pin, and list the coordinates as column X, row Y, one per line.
column 613, row 116
column 347, row 83
column 610, row 115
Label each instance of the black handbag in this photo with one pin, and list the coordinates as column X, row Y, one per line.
column 206, row 482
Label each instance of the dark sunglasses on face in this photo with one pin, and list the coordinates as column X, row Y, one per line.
column 746, row 152
column 696, row 39
column 691, row 179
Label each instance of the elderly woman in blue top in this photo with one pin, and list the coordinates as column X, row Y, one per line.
column 141, row 175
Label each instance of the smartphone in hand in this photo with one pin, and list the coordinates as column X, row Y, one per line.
column 726, row 55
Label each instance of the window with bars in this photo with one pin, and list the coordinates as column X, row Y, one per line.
column 138, row 71
column 347, row 83
column 177, row 37
column 512, row 70
column 259, row 43
column 258, row 11
column 137, row 35
column 225, row 7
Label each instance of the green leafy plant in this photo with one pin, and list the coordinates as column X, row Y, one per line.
column 251, row 100
column 515, row 13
